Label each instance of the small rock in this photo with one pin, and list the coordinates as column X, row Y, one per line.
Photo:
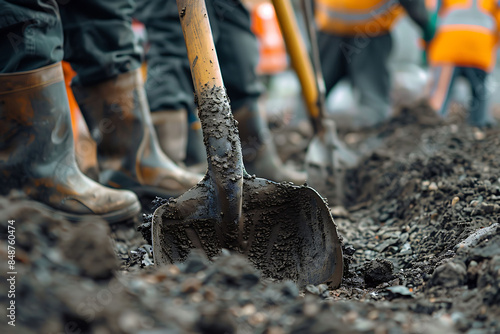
column 406, row 249
column 486, row 208
column 378, row 271
column 248, row 310
column 257, row 319
column 479, row 135
column 312, row 289
column 190, row 285
column 339, row 212
column 311, row 309
column 386, row 244
column 449, row 275
column 455, row 200
column 274, row 330
column 399, row 291
column 433, row 186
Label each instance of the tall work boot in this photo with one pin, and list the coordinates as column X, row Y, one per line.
column 37, row 154
column 259, row 152
column 129, row 156
column 196, row 154
column 171, row 127
column 85, row 147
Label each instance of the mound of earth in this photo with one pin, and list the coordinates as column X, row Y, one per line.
column 420, row 225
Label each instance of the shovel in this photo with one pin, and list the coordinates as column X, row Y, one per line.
column 286, row 231
column 327, row 156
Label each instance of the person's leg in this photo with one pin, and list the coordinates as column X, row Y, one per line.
column 109, row 89
column 36, row 142
column 439, row 89
column 30, row 35
column 168, row 84
column 478, row 108
column 238, row 55
column 98, row 39
column 332, row 51
column 368, row 70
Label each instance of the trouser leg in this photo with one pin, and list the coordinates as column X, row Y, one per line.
column 36, row 141
column 369, row 72
column 442, row 79
column 168, row 84
column 478, row 107
column 30, row 35
column 169, row 87
column 334, row 56
column 98, row 39
column 237, row 50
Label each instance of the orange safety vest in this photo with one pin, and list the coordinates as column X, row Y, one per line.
column 466, row 34
column 368, row 18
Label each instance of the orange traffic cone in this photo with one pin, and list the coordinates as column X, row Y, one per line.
column 273, row 56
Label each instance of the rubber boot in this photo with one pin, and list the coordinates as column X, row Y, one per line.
column 129, row 156
column 196, row 154
column 37, row 153
column 171, row 127
column 259, row 152
column 85, row 148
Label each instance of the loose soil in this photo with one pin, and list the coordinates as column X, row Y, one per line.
column 420, row 224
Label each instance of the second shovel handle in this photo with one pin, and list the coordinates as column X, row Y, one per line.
column 300, row 59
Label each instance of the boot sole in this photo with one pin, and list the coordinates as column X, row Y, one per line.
column 118, row 180
column 152, row 192
column 111, row 217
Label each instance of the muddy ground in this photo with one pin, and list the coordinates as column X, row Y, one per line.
column 420, row 225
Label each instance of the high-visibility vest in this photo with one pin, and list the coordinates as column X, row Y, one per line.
column 466, row 34
column 366, row 18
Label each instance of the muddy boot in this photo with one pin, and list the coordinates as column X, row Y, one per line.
column 118, row 117
column 259, row 153
column 85, row 148
column 171, row 127
column 196, row 155
column 37, row 154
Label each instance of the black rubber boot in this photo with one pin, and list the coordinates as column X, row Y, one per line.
column 37, row 153
column 259, row 153
column 128, row 152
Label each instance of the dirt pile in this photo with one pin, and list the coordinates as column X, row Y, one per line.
column 428, row 201
column 421, row 245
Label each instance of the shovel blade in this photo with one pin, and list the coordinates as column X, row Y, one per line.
column 287, row 231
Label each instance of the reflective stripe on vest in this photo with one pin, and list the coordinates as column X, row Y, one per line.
column 468, row 16
column 349, row 17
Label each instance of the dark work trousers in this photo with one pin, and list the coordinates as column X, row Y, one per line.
column 95, row 36
column 169, row 85
column 443, row 78
column 364, row 61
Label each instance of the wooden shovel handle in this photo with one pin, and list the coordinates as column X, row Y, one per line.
column 300, row 59
column 202, row 57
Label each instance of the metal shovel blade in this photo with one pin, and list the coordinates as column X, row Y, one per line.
column 288, row 231
column 326, row 161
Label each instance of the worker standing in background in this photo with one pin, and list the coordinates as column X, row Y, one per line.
column 355, row 42
column 465, row 45
column 170, row 90
column 36, row 142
